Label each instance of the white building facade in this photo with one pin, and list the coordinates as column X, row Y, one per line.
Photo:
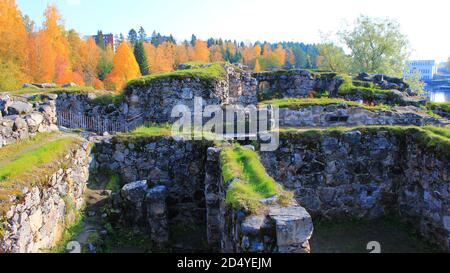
column 426, row 68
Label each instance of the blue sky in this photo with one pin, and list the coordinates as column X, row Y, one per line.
column 424, row 22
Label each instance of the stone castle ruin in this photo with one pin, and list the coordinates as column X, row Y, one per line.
column 390, row 168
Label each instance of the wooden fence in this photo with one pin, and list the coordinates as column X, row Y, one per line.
column 97, row 124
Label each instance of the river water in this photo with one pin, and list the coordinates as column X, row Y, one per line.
column 439, row 96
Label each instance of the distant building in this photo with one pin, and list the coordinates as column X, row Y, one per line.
column 427, row 68
column 108, row 38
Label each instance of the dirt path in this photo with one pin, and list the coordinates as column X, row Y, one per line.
column 96, row 197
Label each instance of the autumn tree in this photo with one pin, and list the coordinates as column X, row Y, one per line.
column 181, row 54
column 201, row 51
column 90, row 58
column 248, row 54
column 13, row 46
column 257, row 65
column 165, row 57
column 290, row 58
column 216, row 53
column 258, row 50
column 125, row 68
column 280, row 54
column 141, row 58
column 54, row 31
column 150, row 52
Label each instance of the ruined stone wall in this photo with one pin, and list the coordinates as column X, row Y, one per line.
column 344, row 115
column 157, row 99
column 274, row 229
column 295, row 83
column 365, row 175
column 20, row 119
column 161, row 161
column 37, row 221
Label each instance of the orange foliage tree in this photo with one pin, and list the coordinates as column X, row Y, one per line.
column 216, row 53
column 201, row 51
column 13, row 46
column 281, row 55
column 125, row 68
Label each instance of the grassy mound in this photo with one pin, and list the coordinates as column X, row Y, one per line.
column 213, row 72
column 298, row 103
column 253, row 183
column 440, row 106
column 367, row 90
column 29, row 163
column 145, row 132
column 430, row 138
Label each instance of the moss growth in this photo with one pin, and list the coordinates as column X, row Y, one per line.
column 367, row 92
column 145, row 132
column 442, row 106
column 71, row 231
column 118, row 238
column 29, row 163
column 213, row 72
column 110, row 98
column 2, row 227
column 298, row 103
column 113, row 184
column 253, row 183
column 430, row 138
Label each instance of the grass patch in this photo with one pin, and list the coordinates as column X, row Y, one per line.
column 69, row 234
column 38, row 160
column 146, row 131
column 298, row 103
column 366, row 91
column 254, row 183
column 439, row 106
column 213, row 72
column 118, row 238
column 113, row 184
column 110, row 98
column 430, row 138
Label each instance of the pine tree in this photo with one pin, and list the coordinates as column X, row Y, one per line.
column 142, row 34
column 141, row 58
column 132, row 36
column 193, row 40
column 105, row 63
column 101, row 40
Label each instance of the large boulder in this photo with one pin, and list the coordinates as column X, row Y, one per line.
column 19, row 108
column 34, row 120
column 44, row 85
column 70, row 84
